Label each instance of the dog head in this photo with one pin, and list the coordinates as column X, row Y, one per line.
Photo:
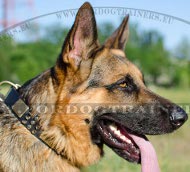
column 104, row 79
column 118, row 104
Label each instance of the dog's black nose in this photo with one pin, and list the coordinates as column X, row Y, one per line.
column 178, row 117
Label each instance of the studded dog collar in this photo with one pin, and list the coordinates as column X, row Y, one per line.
column 23, row 112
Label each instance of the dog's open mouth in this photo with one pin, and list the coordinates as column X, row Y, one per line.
column 119, row 138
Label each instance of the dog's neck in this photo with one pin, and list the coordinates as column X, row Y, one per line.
column 36, row 90
column 46, row 90
column 40, row 95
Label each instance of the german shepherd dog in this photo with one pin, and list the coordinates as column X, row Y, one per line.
column 92, row 75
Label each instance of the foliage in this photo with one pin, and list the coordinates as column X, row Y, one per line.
column 21, row 61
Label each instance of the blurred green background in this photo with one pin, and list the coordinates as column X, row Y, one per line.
column 23, row 60
column 167, row 72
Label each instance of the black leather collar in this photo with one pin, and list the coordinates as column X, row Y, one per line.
column 23, row 112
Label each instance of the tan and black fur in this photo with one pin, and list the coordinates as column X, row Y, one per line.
column 85, row 73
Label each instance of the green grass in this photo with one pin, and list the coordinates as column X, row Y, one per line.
column 173, row 150
column 177, row 95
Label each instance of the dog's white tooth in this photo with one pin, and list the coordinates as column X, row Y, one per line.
column 117, row 132
column 120, row 133
column 128, row 141
column 123, row 137
column 112, row 127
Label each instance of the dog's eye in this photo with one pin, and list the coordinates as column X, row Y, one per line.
column 123, row 85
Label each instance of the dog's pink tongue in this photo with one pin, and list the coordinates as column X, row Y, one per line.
column 149, row 161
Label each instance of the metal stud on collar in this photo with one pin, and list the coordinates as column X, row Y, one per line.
column 23, row 112
column 20, row 109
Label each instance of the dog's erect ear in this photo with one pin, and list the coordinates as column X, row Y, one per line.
column 119, row 38
column 82, row 38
